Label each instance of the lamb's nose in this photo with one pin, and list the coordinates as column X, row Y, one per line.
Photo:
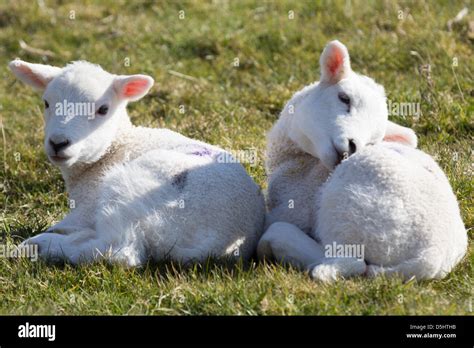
column 58, row 143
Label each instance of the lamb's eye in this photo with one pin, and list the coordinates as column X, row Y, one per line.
column 103, row 110
column 46, row 104
column 343, row 97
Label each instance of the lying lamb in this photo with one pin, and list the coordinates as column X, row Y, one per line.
column 137, row 193
column 390, row 199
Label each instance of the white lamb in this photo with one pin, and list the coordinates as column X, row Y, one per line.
column 138, row 193
column 389, row 199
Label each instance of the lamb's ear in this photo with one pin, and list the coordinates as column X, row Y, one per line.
column 334, row 62
column 399, row 134
column 132, row 87
column 36, row 75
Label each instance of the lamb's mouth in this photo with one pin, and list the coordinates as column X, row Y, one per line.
column 59, row 159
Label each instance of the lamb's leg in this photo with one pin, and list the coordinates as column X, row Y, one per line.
column 82, row 246
column 67, row 226
column 286, row 243
column 333, row 268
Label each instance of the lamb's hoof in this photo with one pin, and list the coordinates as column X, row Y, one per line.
column 48, row 246
column 323, row 273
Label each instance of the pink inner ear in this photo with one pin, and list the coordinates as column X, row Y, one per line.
column 396, row 138
column 135, row 88
column 335, row 61
column 31, row 76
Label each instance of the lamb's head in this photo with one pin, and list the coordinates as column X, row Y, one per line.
column 342, row 113
column 84, row 106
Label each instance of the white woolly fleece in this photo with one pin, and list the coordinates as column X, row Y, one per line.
column 397, row 202
column 391, row 199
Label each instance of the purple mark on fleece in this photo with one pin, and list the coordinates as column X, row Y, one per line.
column 202, row 152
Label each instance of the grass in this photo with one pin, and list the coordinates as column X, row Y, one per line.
column 233, row 107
